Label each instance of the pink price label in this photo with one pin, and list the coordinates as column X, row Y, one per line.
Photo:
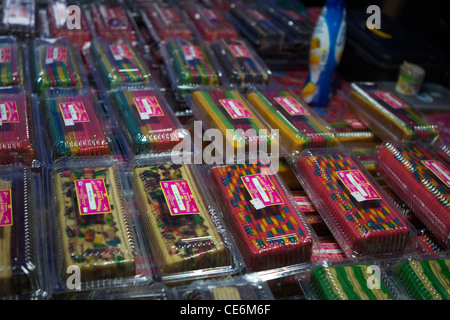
column 235, row 109
column 5, row 55
column 239, row 51
column 304, row 204
column 179, row 197
column 121, row 51
column 439, row 169
column 391, row 99
column 291, row 105
column 92, row 196
column 192, row 52
column 355, row 124
column 73, row 112
column 5, row 208
column 148, row 107
column 8, row 112
column 358, row 185
column 262, row 191
column 55, row 54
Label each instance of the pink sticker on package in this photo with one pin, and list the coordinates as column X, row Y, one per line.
column 5, row 55
column 148, row 107
column 304, row 204
column 355, row 124
column 8, row 112
column 391, row 99
column 121, row 51
column 291, row 105
column 239, row 51
column 358, row 185
column 92, row 196
column 5, row 208
column 192, row 52
column 73, row 112
column 262, row 191
column 235, row 109
column 439, row 169
column 56, row 54
column 179, row 197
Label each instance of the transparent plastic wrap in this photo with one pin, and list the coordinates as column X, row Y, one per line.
column 366, row 154
column 92, row 229
column 442, row 149
column 21, row 269
column 117, row 63
column 267, row 226
column 74, row 125
column 112, row 21
column 351, row 130
column 389, row 117
column 17, row 135
column 300, row 128
column 227, row 110
column 56, row 64
column 147, row 120
column 421, row 181
column 18, row 17
column 360, row 216
column 211, row 22
column 241, row 65
column 247, row 287
column 153, row 292
column 59, row 25
column 356, row 279
column 186, row 235
column 258, row 28
column 165, row 21
column 190, row 66
column 423, row 277
column 12, row 71
column 312, row 215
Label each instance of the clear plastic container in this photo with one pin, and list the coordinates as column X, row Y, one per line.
column 154, row 292
column 21, row 268
column 74, row 125
column 389, row 117
column 211, row 23
column 300, row 128
column 117, row 63
column 247, row 287
column 267, row 226
column 95, row 237
column 18, row 17
column 186, row 235
column 56, row 64
column 421, row 181
column 147, row 120
column 360, row 216
column 241, row 65
column 11, row 62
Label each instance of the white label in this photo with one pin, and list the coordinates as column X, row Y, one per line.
column 90, row 194
column 176, row 193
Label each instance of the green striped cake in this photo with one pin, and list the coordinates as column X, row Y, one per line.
column 427, row 279
column 347, row 283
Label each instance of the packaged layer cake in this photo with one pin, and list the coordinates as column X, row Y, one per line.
column 165, row 21
column 425, row 277
column 56, row 64
column 349, row 280
column 18, row 17
column 73, row 123
column 117, row 62
column 21, row 272
column 267, row 226
column 211, row 22
column 11, row 62
column 421, row 181
column 241, row 65
column 92, row 229
column 312, row 215
column 389, row 117
column 112, row 21
column 228, row 111
column 360, row 216
column 154, row 292
column 182, row 227
column 60, row 25
column 300, row 128
column 248, row 287
column 352, row 130
column 17, row 137
column 147, row 120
